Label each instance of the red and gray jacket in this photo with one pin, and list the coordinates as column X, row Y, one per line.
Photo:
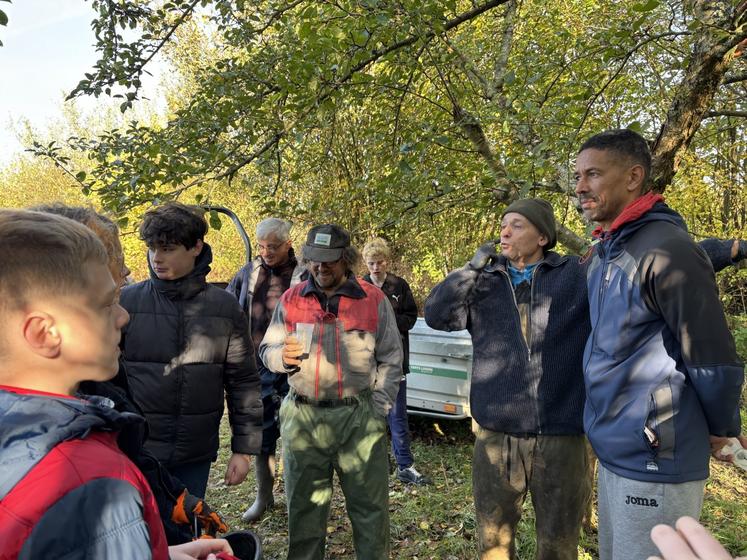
column 66, row 489
column 355, row 344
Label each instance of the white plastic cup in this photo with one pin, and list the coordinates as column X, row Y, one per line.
column 304, row 333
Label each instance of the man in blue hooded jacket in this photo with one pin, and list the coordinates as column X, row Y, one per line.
column 661, row 370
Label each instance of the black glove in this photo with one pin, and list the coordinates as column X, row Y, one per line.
column 485, row 254
column 194, row 511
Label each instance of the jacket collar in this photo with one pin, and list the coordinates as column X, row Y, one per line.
column 31, row 424
column 191, row 284
column 291, row 263
column 387, row 280
column 632, row 212
column 351, row 288
column 552, row 259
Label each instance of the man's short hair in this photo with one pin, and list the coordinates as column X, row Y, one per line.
column 624, row 142
column 43, row 255
column 377, row 248
column 274, row 226
column 173, row 223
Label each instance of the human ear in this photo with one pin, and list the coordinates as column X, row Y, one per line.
column 42, row 334
column 637, row 176
column 198, row 247
column 543, row 240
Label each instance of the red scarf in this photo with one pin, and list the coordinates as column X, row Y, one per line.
column 630, row 213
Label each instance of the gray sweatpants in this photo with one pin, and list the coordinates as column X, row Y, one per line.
column 629, row 509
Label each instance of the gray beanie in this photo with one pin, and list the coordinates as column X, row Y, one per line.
column 540, row 213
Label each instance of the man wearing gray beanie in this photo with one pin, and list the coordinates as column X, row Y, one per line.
column 528, row 314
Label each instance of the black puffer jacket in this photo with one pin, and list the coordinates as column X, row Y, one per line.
column 185, row 343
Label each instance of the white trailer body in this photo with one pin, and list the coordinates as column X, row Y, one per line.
column 440, row 371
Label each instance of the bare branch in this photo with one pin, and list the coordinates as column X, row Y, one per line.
column 501, row 63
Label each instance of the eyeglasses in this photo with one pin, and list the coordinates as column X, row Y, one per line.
column 272, row 247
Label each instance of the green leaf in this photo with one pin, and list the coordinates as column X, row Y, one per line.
column 360, row 37
column 405, row 168
column 646, row 6
column 635, row 126
column 3, row 18
column 214, row 220
column 80, row 176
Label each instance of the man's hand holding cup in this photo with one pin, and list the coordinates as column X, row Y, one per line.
column 292, row 350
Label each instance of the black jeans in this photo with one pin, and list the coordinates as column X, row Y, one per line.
column 274, row 389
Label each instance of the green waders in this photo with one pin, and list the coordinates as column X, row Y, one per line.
column 349, row 439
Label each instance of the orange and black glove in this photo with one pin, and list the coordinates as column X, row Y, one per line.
column 195, row 512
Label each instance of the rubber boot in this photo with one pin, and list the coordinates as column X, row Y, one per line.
column 264, row 470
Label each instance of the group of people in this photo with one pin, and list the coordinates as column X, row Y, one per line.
column 85, row 359
column 627, row 346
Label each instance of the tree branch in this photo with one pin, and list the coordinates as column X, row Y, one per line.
column 449, row 25
column 375, row 55
column 735, row 79
column 725, row 113
column 572, row 240
column 501, row 63
column 712, row 54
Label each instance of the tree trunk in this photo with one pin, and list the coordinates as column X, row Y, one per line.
column 712, row 54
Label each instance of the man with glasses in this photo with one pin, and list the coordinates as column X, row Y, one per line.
column 337, row 340
column 258, row 287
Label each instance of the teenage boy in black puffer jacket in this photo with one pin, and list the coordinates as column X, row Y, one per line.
column 187, row 342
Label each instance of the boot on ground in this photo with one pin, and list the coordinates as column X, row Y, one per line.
column 264, row 471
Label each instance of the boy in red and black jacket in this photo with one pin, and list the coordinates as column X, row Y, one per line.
column 66, row 485
column 67, row 489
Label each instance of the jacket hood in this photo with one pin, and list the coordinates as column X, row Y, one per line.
column 31, row 425
column 189, row 285
column 644, row 210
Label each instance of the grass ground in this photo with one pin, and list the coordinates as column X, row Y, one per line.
column 438, row 521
